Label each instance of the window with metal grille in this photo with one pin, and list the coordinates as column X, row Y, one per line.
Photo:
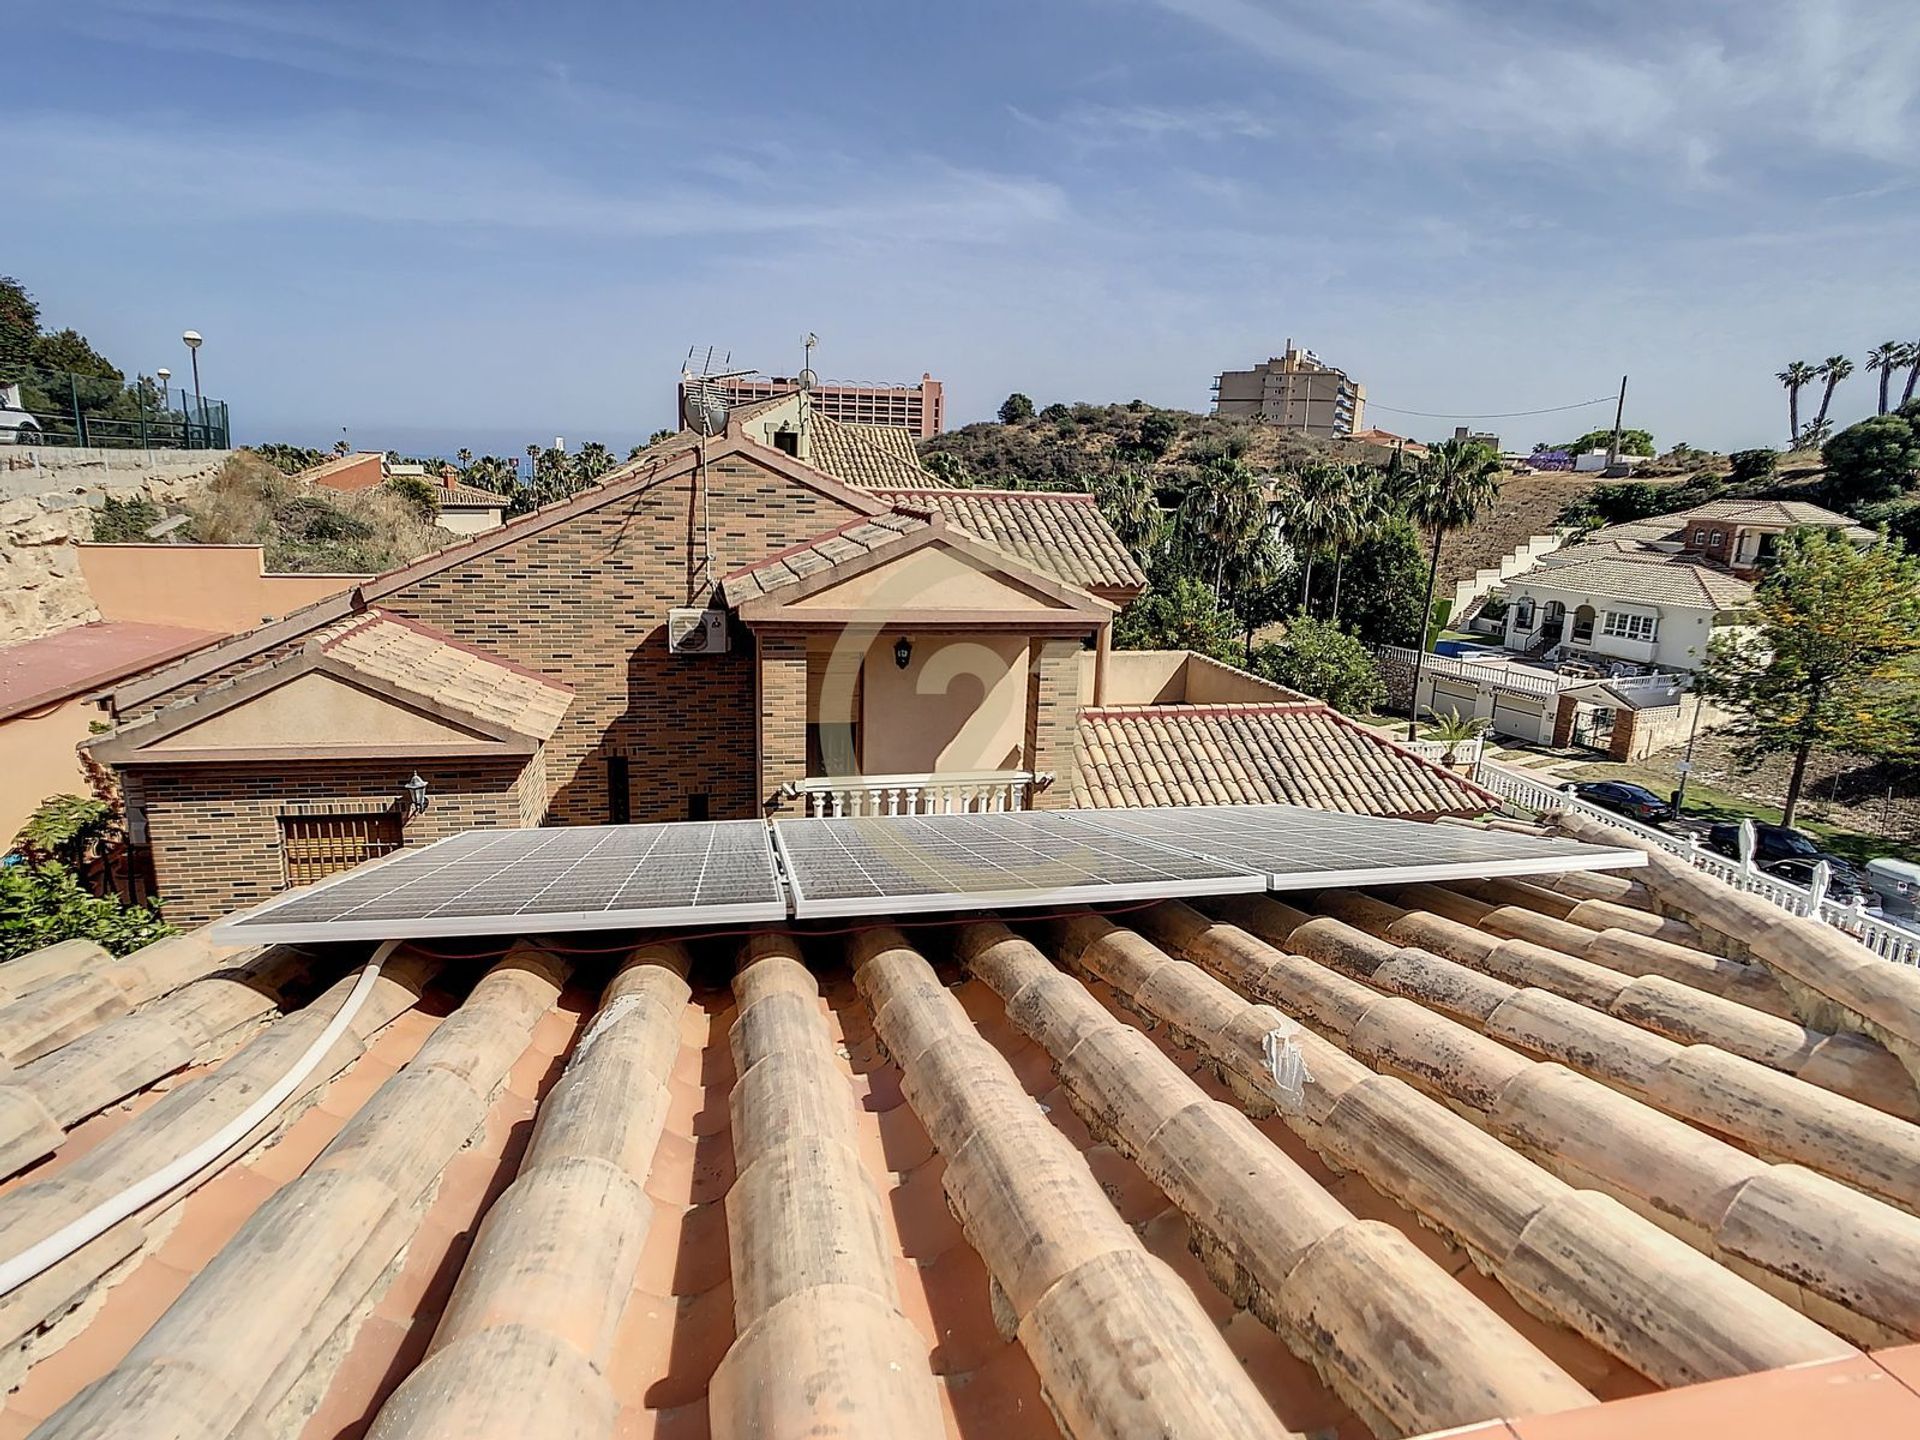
column 316, row 846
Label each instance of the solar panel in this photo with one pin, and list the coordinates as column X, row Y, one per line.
column 1303, row 849
column 707, row 873
column 901, row 864
column 492, row 882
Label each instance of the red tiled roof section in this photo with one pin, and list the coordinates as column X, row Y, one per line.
column 875, row 457
column 460, row 493
column 1299, row 753
column 426, row 661
column 859, row 536
column 56, row 667
column 1059, row 533
column 1274, row 1150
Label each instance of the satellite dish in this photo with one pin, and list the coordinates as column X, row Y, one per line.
column 705, row 406
column 808, row 379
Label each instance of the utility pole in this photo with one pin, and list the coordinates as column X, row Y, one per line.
column 1619, row 409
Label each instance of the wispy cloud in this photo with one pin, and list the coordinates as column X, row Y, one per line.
column 341, row 172
column 1644, row 78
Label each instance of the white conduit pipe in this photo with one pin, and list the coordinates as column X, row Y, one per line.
column 17, row 1270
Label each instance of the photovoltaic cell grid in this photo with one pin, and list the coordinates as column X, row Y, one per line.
column 881, row 865
column 489, row 882
column 494, row 882
column 1302, row 849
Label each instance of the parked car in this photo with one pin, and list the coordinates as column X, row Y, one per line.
column 1791, row 854
column 1636, row 802
column 17, row 426
column 1844, row 883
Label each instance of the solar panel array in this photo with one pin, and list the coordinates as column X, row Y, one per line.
column 1300, row 848
column 870, row 866
column 586, row 877
column 707, row 873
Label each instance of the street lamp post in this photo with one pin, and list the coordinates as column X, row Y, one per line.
column 192, row 338
column 164, row 375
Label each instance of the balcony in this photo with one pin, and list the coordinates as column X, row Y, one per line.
column 963, row 792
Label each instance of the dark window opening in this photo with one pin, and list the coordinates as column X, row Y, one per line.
column 697, row 806
column 619, row 799
column 787, row 442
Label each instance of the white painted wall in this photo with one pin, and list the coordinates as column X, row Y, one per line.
column 1680, row 641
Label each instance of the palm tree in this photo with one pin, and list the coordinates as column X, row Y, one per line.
column 1226, row 508
column 1833, row 370
column 1912, row 361
column 1365, row 509
column 1795, row 377
column 1311, row 505
column 593, row 461
column 1131, row 506
column 1886, row 359
column 1446, row 493
column 464, row 456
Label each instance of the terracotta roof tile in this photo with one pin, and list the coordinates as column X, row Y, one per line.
column 1043, row 1133
column 420, row 659
column 1062, row 534
column 850, row 541
column 1650, row 577
column 875, row 457
column 1250, row 754
column 460, row 493
column 1442, row 1114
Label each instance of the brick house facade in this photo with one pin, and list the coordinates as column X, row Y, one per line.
column 578, row 592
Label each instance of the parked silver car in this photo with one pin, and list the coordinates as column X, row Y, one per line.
column 17, row 427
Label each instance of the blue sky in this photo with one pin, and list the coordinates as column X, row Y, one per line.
column 438, row 223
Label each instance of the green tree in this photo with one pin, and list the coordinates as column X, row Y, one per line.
column 69, row 350
column 1321, row 660
column 1380, row 596
column 1182, row 615
column 1127, row 499
column 1311, row 507
column 1157, row 433
column 19, row 328
column 1446, row 492
column 1884, row 359
column 419, row 492
column 1833, row 370
column 593, row 461
column 123, row 521
column 1223, row 515
column 1874, row 460
column 1363, row 512
column 1796, row 377
column 1834, row 631
column 1632, row 442
column 1015, row 408
column 949, row 469
column 1752, row 467
column 42, row 905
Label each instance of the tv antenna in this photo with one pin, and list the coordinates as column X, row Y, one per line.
column 705, row 403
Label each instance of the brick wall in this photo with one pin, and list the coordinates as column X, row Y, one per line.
column 215, row 829
column 1056, row 719
column 587, row 601
column 783, row 715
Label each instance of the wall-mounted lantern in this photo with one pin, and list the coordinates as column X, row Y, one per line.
column 903, row 652
column 414, row 789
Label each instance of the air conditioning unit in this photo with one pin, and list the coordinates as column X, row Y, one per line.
column 697, row 632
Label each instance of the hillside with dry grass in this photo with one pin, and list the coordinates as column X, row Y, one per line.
column 300, row 528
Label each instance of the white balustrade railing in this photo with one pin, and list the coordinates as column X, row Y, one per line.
column 962, row 792
column 1466, row 753
column 1500, row 674
column 1885, row 939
